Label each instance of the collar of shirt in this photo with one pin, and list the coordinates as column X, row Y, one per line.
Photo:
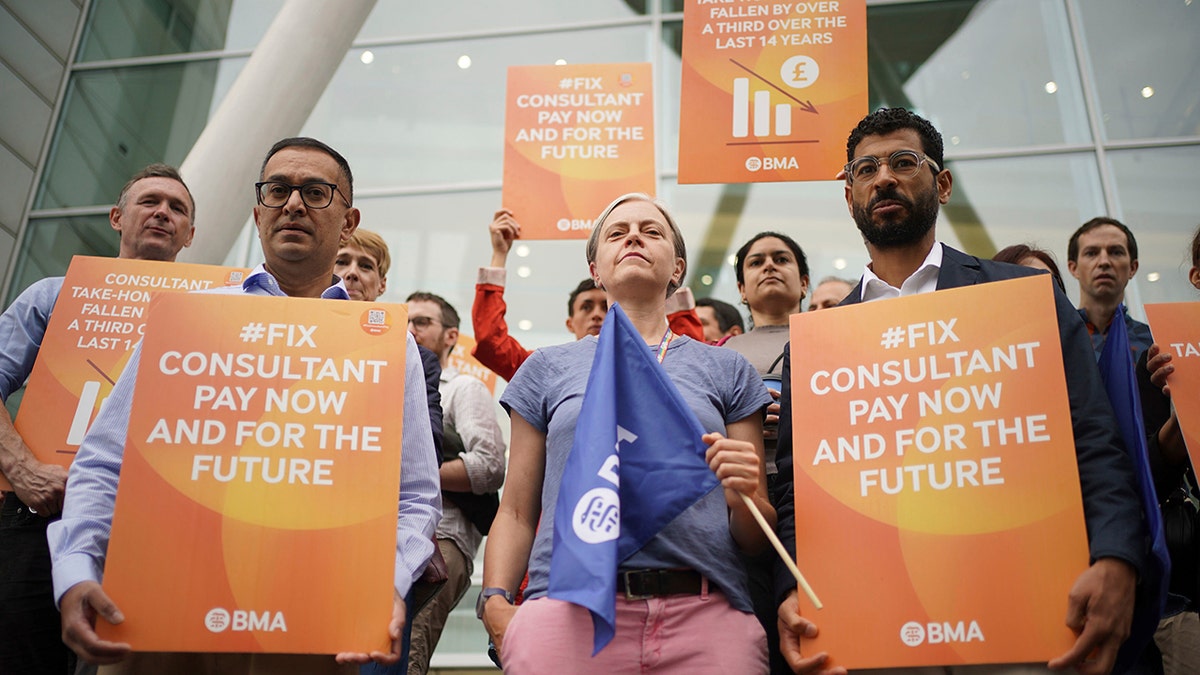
column 449, row 373
column 260, row 282
column 924, row 280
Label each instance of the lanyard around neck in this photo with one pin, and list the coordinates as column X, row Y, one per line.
column 666, row 342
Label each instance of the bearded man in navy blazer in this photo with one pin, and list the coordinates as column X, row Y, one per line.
column 895, row 182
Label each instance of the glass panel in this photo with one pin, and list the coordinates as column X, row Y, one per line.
column 414, row 115
column 50, row 243
column 670, row 74
column 114, row 122
column 118, row 29
column 7, row 241
column 16, row 178
column 1157, row 199
column 988, row 74
column 1034, row 200
column 399, row 19
column 1146, row 61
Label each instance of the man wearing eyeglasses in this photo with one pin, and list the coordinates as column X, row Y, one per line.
column 304, row 214
column 895, row 181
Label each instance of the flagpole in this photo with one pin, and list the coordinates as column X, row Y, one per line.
column 787, row 559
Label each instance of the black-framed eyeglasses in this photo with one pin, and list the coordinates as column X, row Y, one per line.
column 904, row 163
column 423, row 321
column 315, row 195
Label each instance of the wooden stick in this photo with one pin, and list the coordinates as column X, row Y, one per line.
column 787, row 559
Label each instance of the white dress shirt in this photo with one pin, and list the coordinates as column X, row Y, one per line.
column 924, row 280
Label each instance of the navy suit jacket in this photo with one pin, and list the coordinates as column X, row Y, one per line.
column 1111, row 507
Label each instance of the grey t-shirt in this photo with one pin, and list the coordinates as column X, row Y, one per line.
column 763, row 348
column 719, row 385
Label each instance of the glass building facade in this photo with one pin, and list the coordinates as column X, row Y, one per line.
column 1053, row 111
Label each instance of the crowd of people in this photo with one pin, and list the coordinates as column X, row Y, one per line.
column 712, row 596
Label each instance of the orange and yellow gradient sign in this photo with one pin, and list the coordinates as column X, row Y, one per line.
column 462, row 361
column 770, row 90
column 576, row 137
column 257, row 507
column 99, row 317
column 1176, row 329
column 937, row 494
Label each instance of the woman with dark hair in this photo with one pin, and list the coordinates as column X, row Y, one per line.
column 772, row 276
column 696, row 617
column 1030, row 256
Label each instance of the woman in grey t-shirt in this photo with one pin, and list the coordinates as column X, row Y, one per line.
column 684, row 606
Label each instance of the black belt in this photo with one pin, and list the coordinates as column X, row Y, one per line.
column 642, row 584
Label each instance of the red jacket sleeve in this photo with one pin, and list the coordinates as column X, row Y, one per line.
column 494, row 347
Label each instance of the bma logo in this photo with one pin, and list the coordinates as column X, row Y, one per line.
column 218, row 620
column 768, row 163
column 914, row 634
column 567, row 224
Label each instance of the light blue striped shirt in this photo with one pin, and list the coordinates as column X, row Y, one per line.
column 22, row 327
column 79, row 542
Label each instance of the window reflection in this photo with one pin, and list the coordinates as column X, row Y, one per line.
column 50, row 243
column 1146, row 66
column 989, row 74
column 414, row 116
column 392, row 18
column 1156, row 191
column 116, row 121
column 1035, row 200
column 118, row 29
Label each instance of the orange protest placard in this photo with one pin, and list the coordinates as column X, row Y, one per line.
column 98, row 318
column 462, row 361
column 256, row 510
column 937, row 495
column 575, row 138
column 770, row 90
column 1176, row 329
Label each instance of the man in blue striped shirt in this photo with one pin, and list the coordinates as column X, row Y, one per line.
column 154, row 216
column 304, row 215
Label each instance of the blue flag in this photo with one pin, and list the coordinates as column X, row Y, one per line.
column 1120, row 381
column 637, row 462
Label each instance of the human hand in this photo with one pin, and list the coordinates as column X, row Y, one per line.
column 737, row 465
column 1159, row 365
column 39, row 486
column 395, row 633
column 503, row 230
column 80, row 605
column 497, row 614
column 1099, row 611
column 793, row 627
column 771, row 421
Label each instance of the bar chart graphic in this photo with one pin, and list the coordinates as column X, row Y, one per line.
column 753, row 113
column 759, row 110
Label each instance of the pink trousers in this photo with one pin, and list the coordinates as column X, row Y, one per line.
column 693, row 634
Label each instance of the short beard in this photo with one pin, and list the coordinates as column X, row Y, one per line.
column 922, row 216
